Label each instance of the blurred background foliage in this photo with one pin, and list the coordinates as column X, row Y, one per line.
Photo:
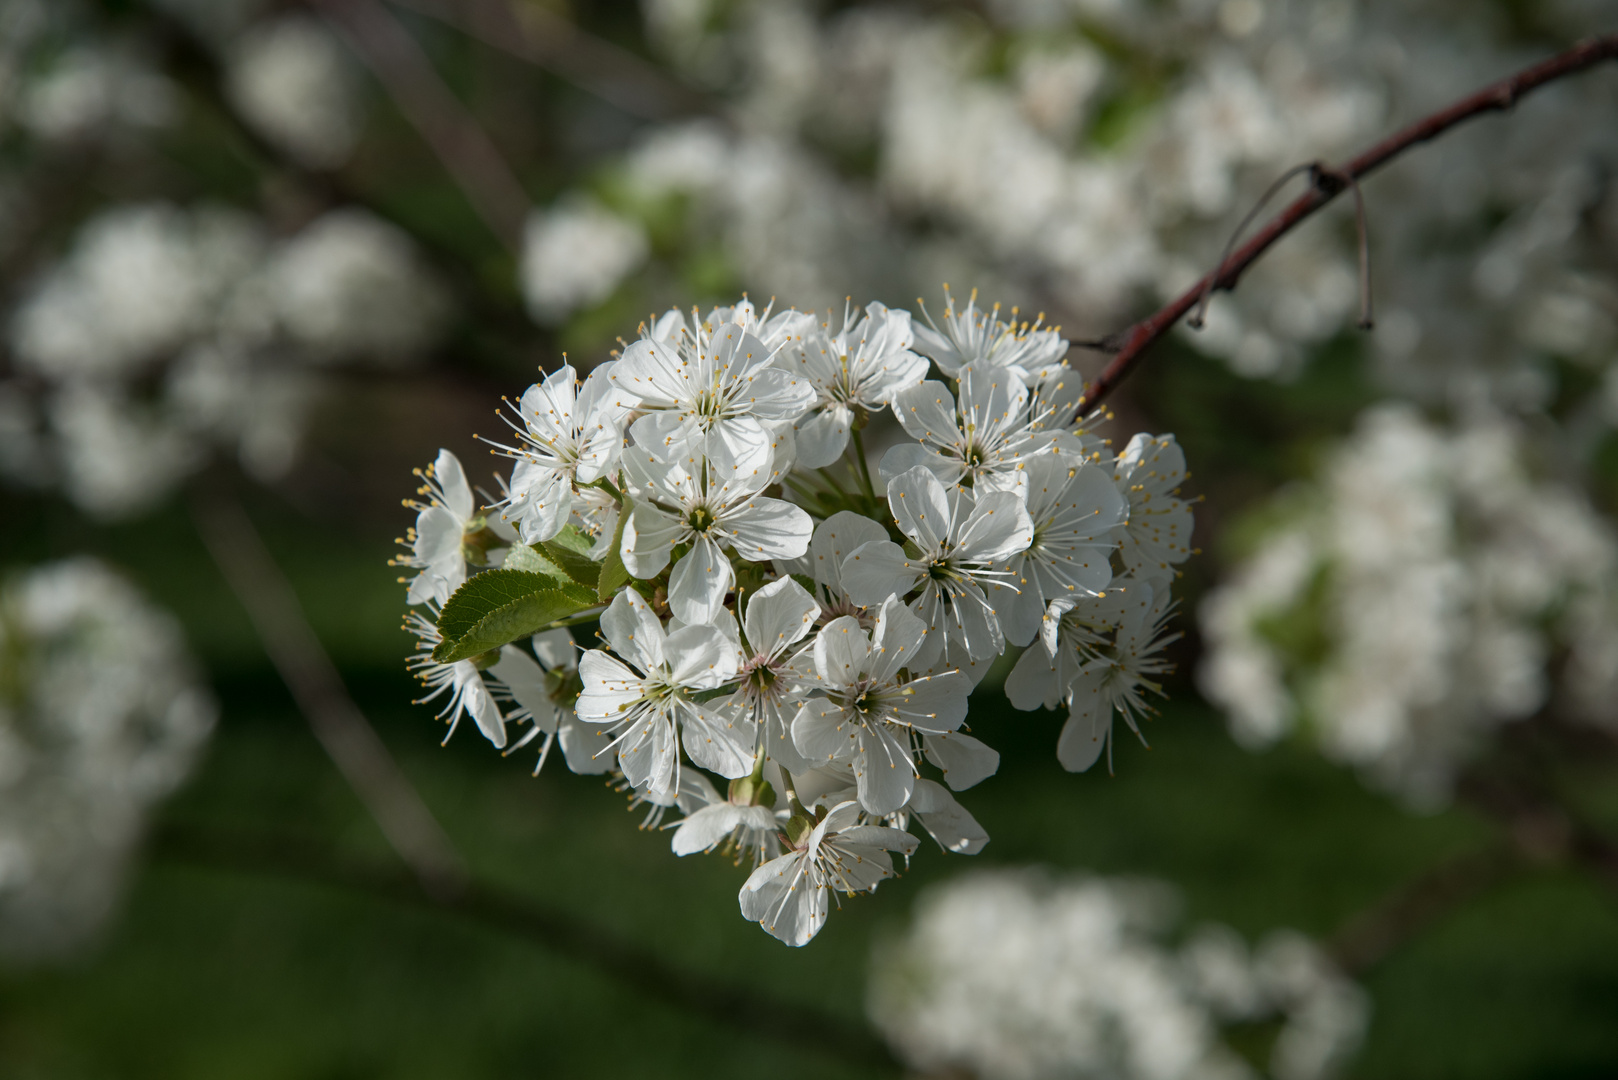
column 227, row 959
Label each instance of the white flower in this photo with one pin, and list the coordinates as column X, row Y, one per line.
column 964, row 542
column 569, row 434
column 835, row 539
column 1114, row 679
column 779, row 615
column 741, row 822
column 860, row 367
column 718, row 383
column 543, row 693
column 1028, row 349
column 574, row 255
column 1075, row 509
column 438, row 540
column 1150, row 472
column 648, row 706
column 461, row 680
column 710, row 507
column 996, row 426
column 873, row 714
column 789, row 896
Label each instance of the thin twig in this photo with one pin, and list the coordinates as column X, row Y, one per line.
column 1496, row 97
column 538, row 36
column 1194, row 320
column 1368, row 938
column 308, row 671
column 443, row 122
column 754, row 1010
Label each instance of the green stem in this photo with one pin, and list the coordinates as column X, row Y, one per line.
column 864, row 470
column 580, row 619
column 832, row 480
column 607, row 485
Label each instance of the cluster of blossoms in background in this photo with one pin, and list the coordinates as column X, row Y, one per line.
column 101, row 715
column 1429, row 589
column 779, row 624
column 1013, row 975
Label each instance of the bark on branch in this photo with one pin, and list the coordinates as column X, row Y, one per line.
column 1130, row 344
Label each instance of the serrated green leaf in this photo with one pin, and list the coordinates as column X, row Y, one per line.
column 486, row 593
column 614, row 574
column 573, row 567
column 574, row 539
column 523, row 613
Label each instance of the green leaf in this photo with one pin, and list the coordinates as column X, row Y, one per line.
column 499, row 606
column 574, row 539
column 573, row 567
column 614, row 574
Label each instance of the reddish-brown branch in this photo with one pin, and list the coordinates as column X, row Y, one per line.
column 1128, row 345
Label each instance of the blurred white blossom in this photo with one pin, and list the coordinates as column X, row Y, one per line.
column 293, row 81
column 1413, row 600
column 1016, row 975
column 101, row 716
column 574, row 256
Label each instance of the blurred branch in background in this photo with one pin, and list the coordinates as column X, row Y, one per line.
column 1130, row 344
column 194, row 65
column 339, row 725
column 748, row 1009
column 454, row 135
column 546, row 40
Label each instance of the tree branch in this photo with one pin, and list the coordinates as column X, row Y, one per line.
column 539, row 36
column 753, row 1010
column 463, row 148
column 1129, row 344
column 339, row 725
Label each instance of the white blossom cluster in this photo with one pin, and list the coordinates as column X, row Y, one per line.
column 165, row 330
column 101, row 716
column 802, row 634
column 1427, row 589
column 1016, row 975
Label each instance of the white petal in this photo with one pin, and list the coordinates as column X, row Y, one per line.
column 946, row 820
column 526, row 681
column 964, row 760
column 1032, row 684
column 633, row 630
column 921, row 506
column 927, row 412
column 896, row 641
column 719, row 744
column 765, row 528
column 824, row 732
column 649, row 534
column 584, row 745
column 884, row 773
column 836, row 539
column 1088, row 727
column 700, row 657
column 841, row 651
column 822, row 436
column 780, row 614
column 609, row 688
column 878, row 570
column 457, row 492
column 700, row 580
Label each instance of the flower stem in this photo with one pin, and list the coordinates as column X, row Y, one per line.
column 864, row 469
